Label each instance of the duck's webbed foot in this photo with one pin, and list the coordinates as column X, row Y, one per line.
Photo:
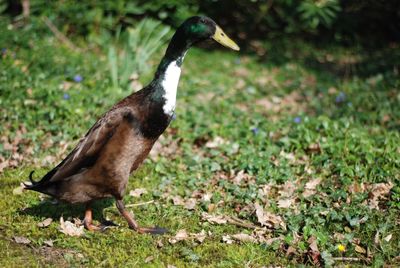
column 88, row 221
column 134, row 225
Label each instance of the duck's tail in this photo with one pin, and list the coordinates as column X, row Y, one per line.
column 42, row 186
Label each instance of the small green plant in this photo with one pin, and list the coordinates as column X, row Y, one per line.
column 138, row 45
column 320, row 12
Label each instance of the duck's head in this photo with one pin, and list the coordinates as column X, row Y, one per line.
column 197, row 29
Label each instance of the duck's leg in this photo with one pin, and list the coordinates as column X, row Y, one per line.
column 134, row 225
column 87, row 221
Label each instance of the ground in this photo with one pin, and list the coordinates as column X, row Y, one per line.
column 282, row 159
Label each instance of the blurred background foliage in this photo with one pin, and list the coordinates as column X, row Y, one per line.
column 362, row 22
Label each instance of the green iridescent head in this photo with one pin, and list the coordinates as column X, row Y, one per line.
column 197, row 29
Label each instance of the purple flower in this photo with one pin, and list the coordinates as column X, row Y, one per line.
column 238, row 61
column 173, row 116
column 297, row 120
column 3, row 50
column 78, row 78
column 66, row 96
column 255, row 130
column 341, row 97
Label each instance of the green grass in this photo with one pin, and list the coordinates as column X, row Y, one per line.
column 270, row 116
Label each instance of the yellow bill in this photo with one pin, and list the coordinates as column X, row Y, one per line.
column 224, row 40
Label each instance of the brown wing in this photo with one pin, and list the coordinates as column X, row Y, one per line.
column 89, row 148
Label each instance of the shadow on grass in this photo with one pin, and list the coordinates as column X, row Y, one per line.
column 47, row 209
column 333, row 60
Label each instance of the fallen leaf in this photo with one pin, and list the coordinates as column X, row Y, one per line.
column 200, row 237
column 48, row 243
column 285, row 203
column 289, row 156
column 216, row 142
column 360, row 249
column 310, row 187
column 206, row 197
column 178, row 201
column 180, row 235
column 45, row 223
column 314, row 251
column 22, row 240
column 312, row 184
column 378, row 192
column 70, row 228
column 159, row 243
column 388, row 238
column 287, row 189
column 314, row 148
column 227, row 239
column 190, row 204
column 272, row 240
column 268, row 219
column 244, row 238
column 290, row 251
column 149, row 259
column 312, row 241
column 377, row 240
column 184, row 235
column 218, row 219
column 137, row 192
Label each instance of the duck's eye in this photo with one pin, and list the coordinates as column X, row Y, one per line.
column 202, row 21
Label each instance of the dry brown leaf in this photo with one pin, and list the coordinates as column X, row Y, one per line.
column 218, row 219
column 285, row 203
column 45, row 223
column 265, row 191
column 289, row 156
column 22, row 240
column 268, row 219
column 239, row 177
column 3, row 164
column 71, row 229
column 312, row 241
column 360, row 249
column 206, row 197
column 388, row 238
column 48, row 243
column 272, row 240
column 290, row 251
column 244, row 238
column 200, row 237
column 287, row 189
column 180, row 235
column 177, row 200
column 310, row 187
column 137, row 192
column 378, row 192
column 216, row 142
column 314, row 148
column 312, row 184
column 184, row 235
column 149, row 259
column 190, row 203
column 356, row 187
column 227, row 239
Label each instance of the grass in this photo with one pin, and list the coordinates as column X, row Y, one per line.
column 283, row 124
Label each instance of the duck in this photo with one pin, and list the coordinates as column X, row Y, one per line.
column 114, row 147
